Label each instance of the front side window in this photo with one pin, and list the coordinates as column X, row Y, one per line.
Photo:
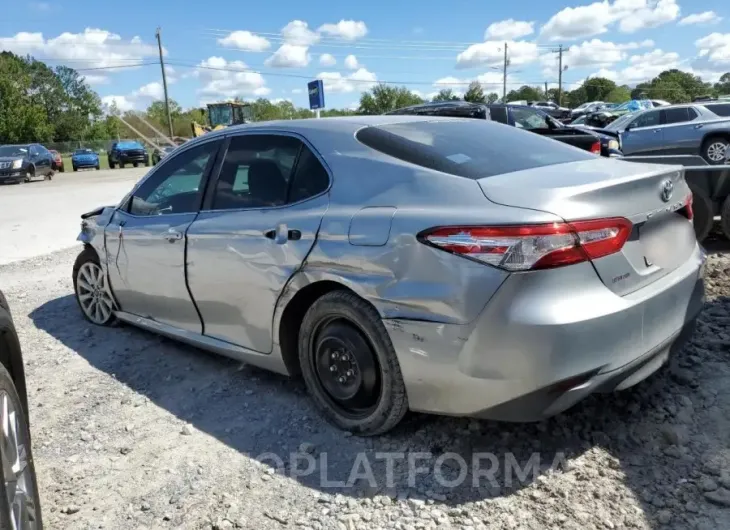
column 176, row 187
column 648, row 119
column 256, row 172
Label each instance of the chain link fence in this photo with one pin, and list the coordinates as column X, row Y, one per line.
column 99, row 146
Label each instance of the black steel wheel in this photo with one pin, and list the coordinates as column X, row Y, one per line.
column 349, row 365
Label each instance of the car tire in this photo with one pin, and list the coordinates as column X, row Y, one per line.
column 703, row 218
column 121, row 165
column 147, row 163
column 98, row 167
column 89, row 280
column 111, row 164
column 49, row 176
column 725, row 217
column 75, row 168
column 28, row 497
column 29, row 175
column 714, row 150
column 362, row 391
column 135, row 164
column 62, row 169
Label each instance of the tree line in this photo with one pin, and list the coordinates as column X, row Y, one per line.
column 43, row 104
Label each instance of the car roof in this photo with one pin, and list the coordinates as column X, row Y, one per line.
column 349, row 124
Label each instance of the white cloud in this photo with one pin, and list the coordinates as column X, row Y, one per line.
column 222, row 79
column 123, row 103
column 245, row 40
column 96, row 79
column 289, row 56
column 170, row 74
column 297, row 32
column 351, row 62
column 592, row 53
column 43, row 7
column 708, row 17
column 642, row 67
column 345, row 29
column 490, row 82
column 327, row 59
column 93, row 48
column 360, row 80
column 151, row 90
column 650, row 16
column 715, row 48
column 594, row 19
column 492, row 53
column 509, row 29
column 297, row 91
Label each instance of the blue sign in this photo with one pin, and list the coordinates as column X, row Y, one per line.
column 316, row 94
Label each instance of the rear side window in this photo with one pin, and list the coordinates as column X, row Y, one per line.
column 678, row 115
column 310, row 177
column 721, row 109
column 472, row 149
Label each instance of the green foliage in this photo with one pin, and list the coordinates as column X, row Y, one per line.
column 475, row 93
column 446, row 94
column 722, row 87
column 384, row 98
column 527, row 93
column 492, row 97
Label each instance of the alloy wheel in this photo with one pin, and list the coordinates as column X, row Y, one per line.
column 716, row 151
column 17, row 474
column 94, row 298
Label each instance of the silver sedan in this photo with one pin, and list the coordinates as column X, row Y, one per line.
column 457, row 267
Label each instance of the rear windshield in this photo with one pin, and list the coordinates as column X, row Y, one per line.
column 472, row 149
column 721, row 109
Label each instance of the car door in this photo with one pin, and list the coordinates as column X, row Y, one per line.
column 37, row 159
column 258, row 224
column 644, row 135
column 145, row 239
column 682, row 134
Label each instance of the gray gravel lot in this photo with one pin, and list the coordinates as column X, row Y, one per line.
column 134, row 431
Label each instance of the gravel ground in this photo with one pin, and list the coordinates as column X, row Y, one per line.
column 133, row 431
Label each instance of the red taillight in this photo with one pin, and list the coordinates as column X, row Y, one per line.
column 529, row 247
column 596, row 148
column 688, row 207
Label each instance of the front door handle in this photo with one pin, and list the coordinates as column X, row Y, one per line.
column 172, row 235
column 657, row 130
column 698, row 126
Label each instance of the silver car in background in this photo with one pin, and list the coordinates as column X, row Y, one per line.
column 458, row 267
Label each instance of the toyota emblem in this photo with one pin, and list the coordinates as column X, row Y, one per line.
column 667, row 189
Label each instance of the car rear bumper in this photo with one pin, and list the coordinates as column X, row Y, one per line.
column 545, row 341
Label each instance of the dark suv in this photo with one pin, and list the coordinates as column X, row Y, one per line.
column 24, row 162
column 19, row 499
column 127, row 152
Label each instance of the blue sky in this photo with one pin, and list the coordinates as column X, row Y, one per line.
column 272, row 49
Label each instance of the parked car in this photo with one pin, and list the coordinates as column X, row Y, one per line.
column 57, row 161
column 127, row 152
column 586, row 108
column 675, row 130
column 161, row 152
column 659, row 103
column 85, row 158
column 20, row 506
column 448, row 266
column 552, row 109
column 25, row 162
column 609, row 144
column 523, row 117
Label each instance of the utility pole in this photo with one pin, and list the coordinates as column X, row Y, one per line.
column 546, row 92
column 504, row 79
column 560, row 75
column 164, row 82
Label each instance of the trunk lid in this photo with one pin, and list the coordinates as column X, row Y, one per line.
column 662, row 237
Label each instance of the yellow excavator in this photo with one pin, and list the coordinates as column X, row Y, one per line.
column 221, row 115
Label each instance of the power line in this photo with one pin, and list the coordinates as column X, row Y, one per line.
column 114, row 67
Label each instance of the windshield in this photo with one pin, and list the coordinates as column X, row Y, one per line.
column 83, row 152
column 129, row 145
column 619, row 123
column 471, row 149
column 13, row 150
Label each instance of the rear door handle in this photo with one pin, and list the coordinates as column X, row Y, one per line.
column 291, row 235
column 172, row 235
